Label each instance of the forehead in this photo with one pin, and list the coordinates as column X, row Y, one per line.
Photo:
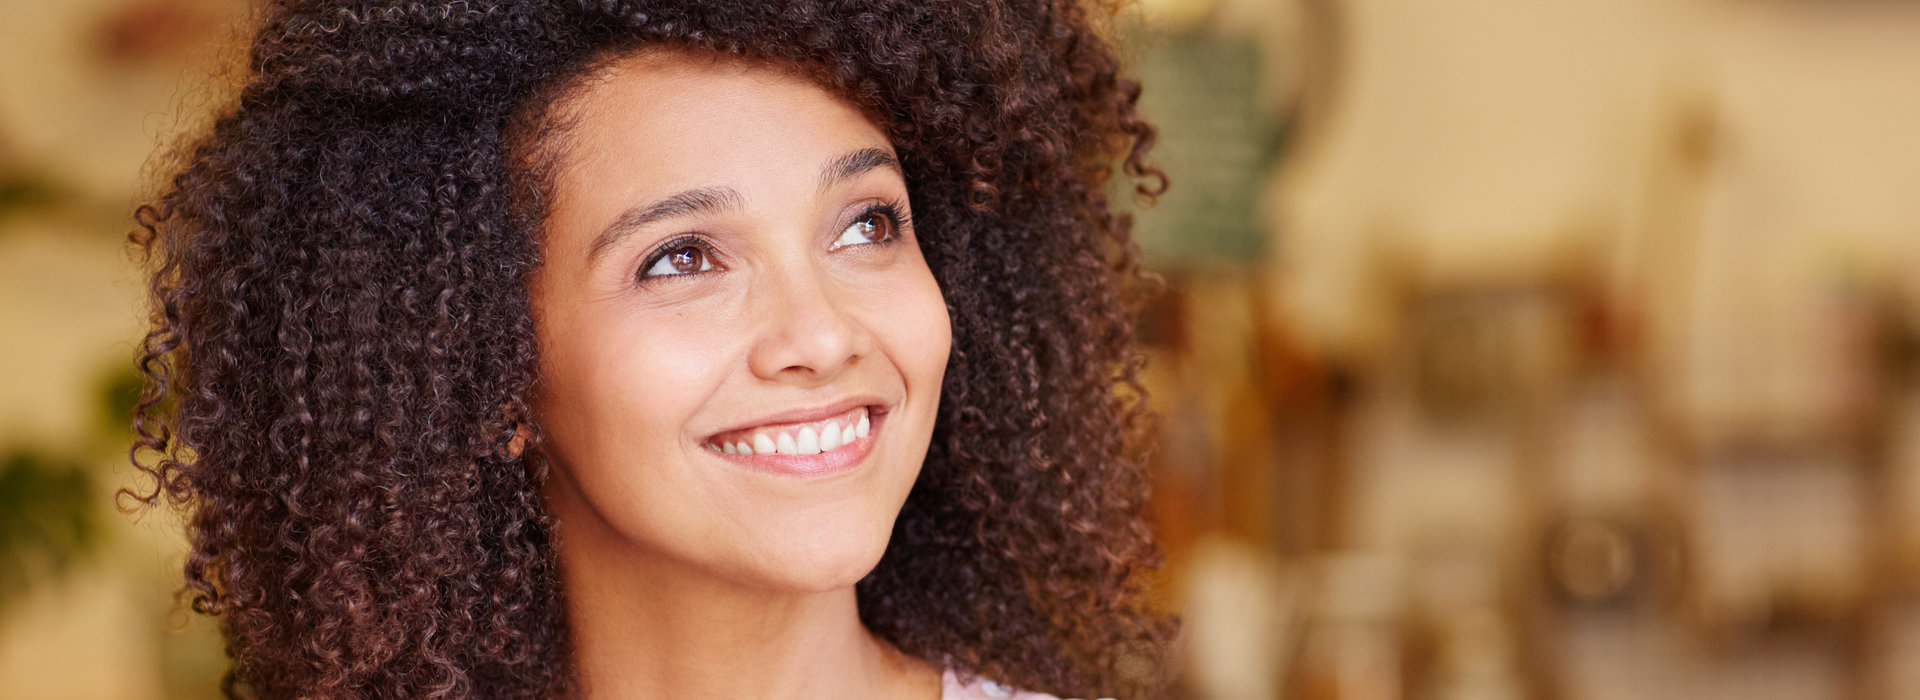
column 673, row 116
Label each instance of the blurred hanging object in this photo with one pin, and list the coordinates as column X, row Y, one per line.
column 1353, row 641
column 1610, row 560
column 143, row 31
column 1241, row 621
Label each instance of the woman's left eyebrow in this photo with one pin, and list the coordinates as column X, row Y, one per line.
column 852, row 164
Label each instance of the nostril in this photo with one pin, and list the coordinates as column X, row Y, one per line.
column 808, row 338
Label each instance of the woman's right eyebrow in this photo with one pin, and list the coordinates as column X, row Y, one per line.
column 699, row 200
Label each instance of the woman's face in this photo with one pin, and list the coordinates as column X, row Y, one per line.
column 741, row 345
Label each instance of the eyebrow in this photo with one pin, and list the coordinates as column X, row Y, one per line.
column 854, row 164
column 708, row 200
column 700, row 200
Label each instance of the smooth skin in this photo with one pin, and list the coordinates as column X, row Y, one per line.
column 776, row 288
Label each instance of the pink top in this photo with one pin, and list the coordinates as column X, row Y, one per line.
column 983, row 689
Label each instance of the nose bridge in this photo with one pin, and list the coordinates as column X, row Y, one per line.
column 805, row 327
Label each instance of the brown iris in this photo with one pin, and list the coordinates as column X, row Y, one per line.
column 878, row 226
column 686, row 260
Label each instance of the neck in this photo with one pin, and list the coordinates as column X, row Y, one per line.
column 646, row 626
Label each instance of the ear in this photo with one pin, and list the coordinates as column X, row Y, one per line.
column 518, row 443
column 515, row 443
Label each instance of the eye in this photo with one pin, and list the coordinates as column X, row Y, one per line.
column 681, row 259
column 880, row 224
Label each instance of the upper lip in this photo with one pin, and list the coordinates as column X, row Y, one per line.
column 807, row 414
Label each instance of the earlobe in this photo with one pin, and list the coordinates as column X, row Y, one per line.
column 513, row 442
column 517, row 440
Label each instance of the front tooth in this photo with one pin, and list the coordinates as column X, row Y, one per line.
column 762, row 445
column 809, row 441
column 785, row 445
column 860, row 430
column 830, row 437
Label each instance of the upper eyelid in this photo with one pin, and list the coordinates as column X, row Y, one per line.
column 896, row 207
column 697, row 240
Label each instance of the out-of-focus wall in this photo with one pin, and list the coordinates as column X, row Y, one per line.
column 1579, row 362
column 88, row 89
column 1497, row 137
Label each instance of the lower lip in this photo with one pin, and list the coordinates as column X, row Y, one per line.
column 842, row 459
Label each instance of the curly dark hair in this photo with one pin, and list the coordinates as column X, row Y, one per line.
column 342, row 346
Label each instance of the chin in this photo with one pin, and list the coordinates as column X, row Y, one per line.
column 824, row 559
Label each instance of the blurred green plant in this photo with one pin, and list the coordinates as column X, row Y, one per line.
column 51, row 505
column 48, row 510
column 118, row 392
column 26, row 190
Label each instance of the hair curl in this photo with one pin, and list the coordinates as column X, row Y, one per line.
column 341, row 338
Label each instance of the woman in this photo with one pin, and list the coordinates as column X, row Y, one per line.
column 608, row 349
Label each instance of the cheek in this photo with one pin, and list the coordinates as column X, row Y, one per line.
column 639, row 374
column 919, row 333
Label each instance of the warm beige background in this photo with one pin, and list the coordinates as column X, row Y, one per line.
column 87, row 90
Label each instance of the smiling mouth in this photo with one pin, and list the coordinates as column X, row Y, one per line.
column 826, row 436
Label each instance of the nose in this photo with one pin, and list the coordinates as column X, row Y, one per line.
column 809, row 334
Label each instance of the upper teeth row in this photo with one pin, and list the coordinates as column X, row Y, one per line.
column 805, row 441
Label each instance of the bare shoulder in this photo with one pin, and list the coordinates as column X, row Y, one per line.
column 983, row 689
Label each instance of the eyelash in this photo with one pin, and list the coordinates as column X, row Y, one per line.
column 894, row 212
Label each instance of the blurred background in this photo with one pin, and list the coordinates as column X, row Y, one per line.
column 1511, row 349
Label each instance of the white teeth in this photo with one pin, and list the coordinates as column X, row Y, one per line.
column 830, row 437
column 808, row 441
